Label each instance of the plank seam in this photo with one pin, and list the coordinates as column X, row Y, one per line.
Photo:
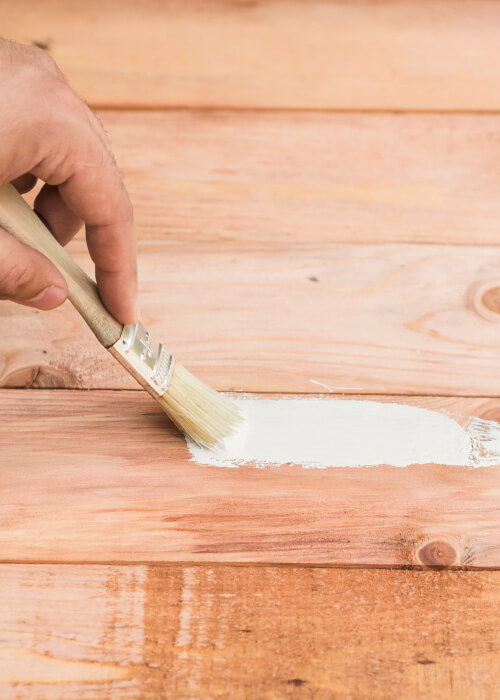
column 244, row 392
column 262, row 564
column 138, row 107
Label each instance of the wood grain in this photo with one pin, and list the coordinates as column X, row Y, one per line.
column 101, row 476
column 432, row 54
column 329, row 178
column 240, row 215
column 362, row 319
column 247, row 632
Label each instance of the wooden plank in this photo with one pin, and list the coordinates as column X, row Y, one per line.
column 100, row 476
column 247, row 632
column 436, row 54
column 364, row 319
column 288, row 177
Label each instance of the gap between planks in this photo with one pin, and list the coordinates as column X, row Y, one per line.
column 416, row 568
column 207, row 109
column 267, row 394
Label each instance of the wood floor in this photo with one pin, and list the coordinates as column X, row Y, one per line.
column 247, row 632
column 316, row 190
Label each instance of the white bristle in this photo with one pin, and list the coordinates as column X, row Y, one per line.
column 198, row 410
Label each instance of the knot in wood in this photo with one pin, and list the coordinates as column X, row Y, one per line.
column 437, row 553
column 484, row 298
column 491, row 300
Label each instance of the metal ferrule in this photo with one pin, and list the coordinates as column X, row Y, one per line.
column 146, row 358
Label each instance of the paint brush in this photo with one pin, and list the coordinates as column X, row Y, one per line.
column 196, row 409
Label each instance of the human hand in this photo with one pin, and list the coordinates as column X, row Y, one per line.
column 47, row 132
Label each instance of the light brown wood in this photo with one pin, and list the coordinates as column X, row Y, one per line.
column 247, row 632
column 103, row 476
column 19, row 220
column 326, row 178
column 359, row 319
column 366, row 54
column 336, row 178
column 239, row 214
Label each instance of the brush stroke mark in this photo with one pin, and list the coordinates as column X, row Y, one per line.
column 320, row 433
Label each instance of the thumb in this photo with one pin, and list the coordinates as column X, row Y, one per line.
column 28, row 277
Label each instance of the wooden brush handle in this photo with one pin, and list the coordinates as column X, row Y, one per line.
column 17, row 217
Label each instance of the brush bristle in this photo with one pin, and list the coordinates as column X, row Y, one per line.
column 198, row 410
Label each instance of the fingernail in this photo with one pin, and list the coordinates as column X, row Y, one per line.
column 48, row 299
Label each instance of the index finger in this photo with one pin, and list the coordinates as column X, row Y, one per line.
column 96, row 194
column 52, row 134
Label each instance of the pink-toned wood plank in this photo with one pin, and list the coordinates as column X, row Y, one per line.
column 361, row 319
column 222, row 631
column 102, row 476
column 432, row 54
column 326, row 178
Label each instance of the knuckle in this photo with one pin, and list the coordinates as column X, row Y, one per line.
column 40, row 89
column 44, row 60
column 127, row 210
column 64, row 97
column 28, row 56
column 115, row 207
column 15, row 275
column 52, row 99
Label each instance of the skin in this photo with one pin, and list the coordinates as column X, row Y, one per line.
column 48, row 133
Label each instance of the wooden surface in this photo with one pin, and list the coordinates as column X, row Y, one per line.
column 219, row 176
column 280, row 245
column 247, row 632
column 366, row 54
column 101, row 476
column 359, row 319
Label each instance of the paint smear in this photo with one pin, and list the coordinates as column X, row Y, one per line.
column 320, row 433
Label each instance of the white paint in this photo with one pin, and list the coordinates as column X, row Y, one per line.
column 337, row 388
column 320, row 433
column 485, row 437
column 323, row 386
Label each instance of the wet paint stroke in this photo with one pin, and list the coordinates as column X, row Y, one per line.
column 319, row 433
